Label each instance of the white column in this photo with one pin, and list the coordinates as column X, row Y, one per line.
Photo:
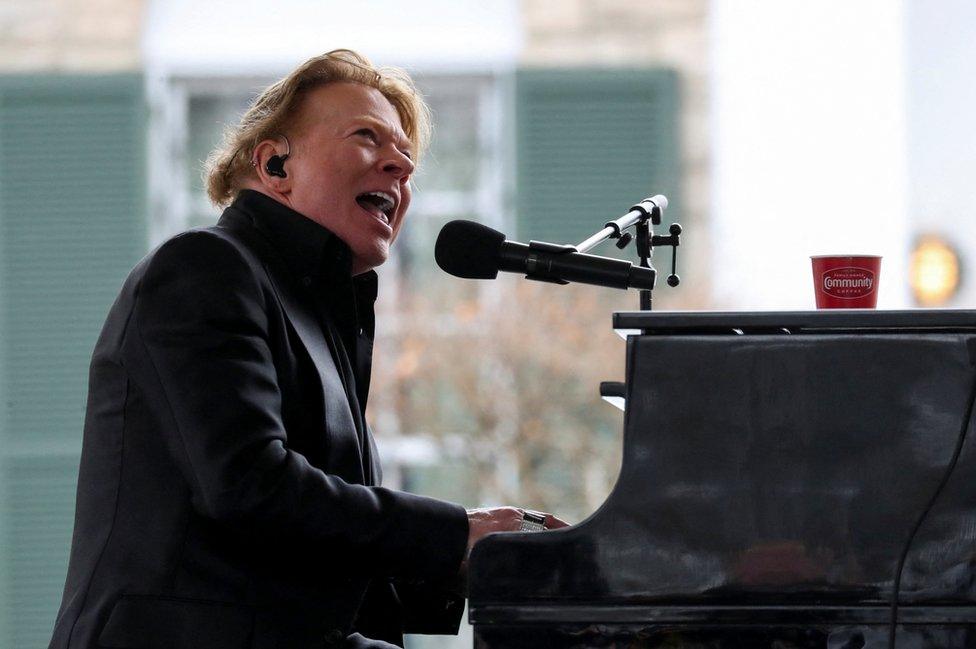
column 809, row 146
column 941, row 133
column 258, row 37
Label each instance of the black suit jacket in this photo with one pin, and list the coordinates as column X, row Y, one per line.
column 222, row 498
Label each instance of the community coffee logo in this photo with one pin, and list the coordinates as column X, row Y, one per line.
column 848, row 282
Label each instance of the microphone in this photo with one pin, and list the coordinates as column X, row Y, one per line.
column 475, row 251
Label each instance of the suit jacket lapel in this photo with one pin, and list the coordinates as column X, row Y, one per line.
column 338, row 413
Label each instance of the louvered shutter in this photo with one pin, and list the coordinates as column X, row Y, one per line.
column 591, row 143
column 72, row 224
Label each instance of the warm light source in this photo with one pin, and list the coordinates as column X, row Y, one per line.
column 934, row 272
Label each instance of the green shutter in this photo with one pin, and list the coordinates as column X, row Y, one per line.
column 72, row 224
column 39, row 493
column 591, row 143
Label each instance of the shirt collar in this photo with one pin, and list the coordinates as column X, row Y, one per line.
column 308, row 248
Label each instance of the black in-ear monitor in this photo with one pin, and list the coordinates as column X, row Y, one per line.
column 275, row 166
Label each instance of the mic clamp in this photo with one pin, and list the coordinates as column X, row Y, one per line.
column 532, row 266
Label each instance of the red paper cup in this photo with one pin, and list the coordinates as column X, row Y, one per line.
column 846, row 281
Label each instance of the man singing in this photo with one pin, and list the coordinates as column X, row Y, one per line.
column 228, row 495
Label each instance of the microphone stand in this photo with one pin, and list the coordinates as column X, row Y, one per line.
column 645, row 250
column 641, row 217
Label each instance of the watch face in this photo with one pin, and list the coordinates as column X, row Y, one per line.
column 533, row 522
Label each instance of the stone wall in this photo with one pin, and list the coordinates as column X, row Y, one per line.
column 70, row 35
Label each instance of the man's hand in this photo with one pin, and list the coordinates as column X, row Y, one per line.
column 484, row 521
column 500, row 519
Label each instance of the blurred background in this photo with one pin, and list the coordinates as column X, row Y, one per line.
column 778, row 129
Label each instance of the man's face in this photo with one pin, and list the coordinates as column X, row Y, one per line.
column 349, row 169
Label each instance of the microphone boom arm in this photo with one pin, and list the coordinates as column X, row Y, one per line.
column 648, row 209
column 641, row 217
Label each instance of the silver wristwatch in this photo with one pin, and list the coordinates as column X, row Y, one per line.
column 532, row 521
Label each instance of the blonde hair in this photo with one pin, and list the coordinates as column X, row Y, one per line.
column 278, row 107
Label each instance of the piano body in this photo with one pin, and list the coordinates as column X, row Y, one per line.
column 775, row 469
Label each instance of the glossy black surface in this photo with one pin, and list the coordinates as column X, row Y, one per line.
column 686, row 322
column 605, row 636
column 769, row 485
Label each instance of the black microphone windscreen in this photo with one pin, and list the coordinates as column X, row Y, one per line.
column 468, row 249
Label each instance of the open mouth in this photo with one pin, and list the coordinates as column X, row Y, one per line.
column 379, row 204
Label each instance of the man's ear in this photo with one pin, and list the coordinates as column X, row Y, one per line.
column 269, row 162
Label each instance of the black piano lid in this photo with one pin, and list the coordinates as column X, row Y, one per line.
column 768, row 486
column 769, row 470
column 795, row 322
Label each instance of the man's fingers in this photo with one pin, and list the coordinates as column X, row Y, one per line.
column 554, row 523
column 484, row 521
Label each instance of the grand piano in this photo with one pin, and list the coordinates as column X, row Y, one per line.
column 789, row 480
